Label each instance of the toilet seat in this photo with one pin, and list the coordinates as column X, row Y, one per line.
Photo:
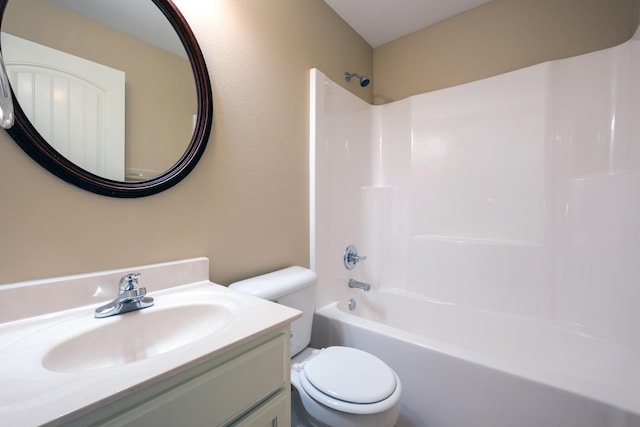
column 350, row 380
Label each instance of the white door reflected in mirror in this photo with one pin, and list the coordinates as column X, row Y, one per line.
column 75, row 104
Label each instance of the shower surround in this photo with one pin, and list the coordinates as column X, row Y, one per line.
column 517, row 195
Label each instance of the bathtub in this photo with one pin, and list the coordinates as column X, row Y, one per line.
column 464, row 367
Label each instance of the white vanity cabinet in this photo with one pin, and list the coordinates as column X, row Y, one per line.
column 248, row 386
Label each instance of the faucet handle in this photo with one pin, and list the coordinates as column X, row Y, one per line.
column 351, row 257
column 129, row 282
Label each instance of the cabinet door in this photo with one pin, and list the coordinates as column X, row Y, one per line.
column 274, row 413
column 219, row 396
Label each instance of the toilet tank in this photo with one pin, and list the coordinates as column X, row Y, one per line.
column 293, row 287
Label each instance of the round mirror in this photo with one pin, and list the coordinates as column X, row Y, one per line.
column 113, row 97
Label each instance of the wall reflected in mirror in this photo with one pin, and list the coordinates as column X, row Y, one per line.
column 159, row 100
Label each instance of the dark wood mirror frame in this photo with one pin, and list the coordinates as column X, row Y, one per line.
column 35, row 146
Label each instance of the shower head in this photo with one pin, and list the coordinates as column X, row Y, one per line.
column 364, row 80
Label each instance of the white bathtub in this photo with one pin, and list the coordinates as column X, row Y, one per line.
column 462, row 367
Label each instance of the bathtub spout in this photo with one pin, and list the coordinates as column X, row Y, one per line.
column 360, row 285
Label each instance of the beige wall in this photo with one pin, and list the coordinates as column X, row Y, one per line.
column 499, row 36
column 245, row 206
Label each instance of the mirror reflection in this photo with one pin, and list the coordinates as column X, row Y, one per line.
column 119, row 104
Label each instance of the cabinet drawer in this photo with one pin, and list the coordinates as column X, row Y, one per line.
column 276, row 412
column 219, row 396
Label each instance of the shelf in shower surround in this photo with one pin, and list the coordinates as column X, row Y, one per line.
column 473, row 240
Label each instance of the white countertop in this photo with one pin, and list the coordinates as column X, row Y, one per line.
column 32, row 394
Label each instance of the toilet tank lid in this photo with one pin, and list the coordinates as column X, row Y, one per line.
column 278, row 283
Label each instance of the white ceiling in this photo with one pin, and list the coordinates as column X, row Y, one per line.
column 380, row 21
column 377, row 21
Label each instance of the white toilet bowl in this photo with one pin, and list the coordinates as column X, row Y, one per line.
column 337, row 386
column 346, row 387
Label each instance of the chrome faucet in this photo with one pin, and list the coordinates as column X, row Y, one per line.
column 360, row 285
column 130, row 298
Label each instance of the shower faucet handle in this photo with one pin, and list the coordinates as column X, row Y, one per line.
column 351, row 257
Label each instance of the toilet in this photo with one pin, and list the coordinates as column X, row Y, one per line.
column 334, row 386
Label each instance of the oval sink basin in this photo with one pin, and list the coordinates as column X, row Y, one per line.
column 136, row 335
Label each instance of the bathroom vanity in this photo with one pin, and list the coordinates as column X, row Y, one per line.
column 243, row 387
column 203, row 354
